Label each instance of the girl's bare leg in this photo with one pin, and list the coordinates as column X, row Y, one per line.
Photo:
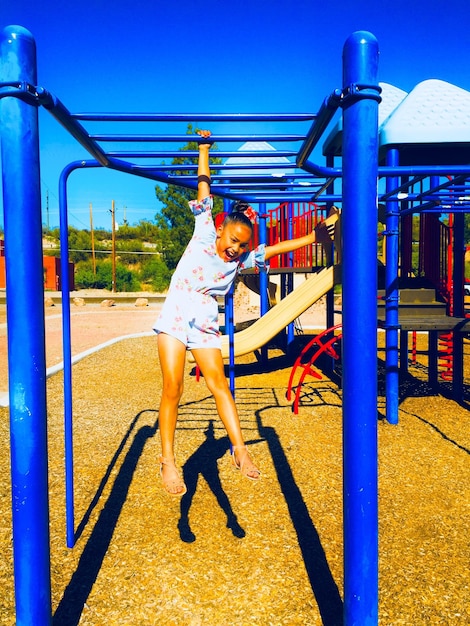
column 212, row 367
column 172, row 354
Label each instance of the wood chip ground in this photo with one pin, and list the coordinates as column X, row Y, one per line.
column 231, row 551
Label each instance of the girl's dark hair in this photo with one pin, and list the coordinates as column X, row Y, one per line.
column 237, row 214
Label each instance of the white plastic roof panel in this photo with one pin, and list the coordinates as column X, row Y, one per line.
column 254, row 146
column 433, row 112
column 391, row 98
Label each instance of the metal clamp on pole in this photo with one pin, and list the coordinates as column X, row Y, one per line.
column 354, row 92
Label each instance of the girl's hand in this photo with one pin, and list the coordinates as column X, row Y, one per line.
column 205, row 134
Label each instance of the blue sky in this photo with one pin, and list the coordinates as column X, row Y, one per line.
column 221, row 57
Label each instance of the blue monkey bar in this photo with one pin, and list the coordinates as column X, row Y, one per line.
column 298, row 179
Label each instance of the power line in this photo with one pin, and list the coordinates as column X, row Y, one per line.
column 118, row 252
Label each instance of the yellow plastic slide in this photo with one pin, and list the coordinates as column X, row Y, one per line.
column 277, row 318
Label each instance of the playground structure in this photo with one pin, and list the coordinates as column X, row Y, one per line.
column 413, row 184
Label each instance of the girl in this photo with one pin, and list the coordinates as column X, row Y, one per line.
column 189, row 318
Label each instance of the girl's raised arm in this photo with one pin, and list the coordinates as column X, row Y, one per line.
column 203, row 169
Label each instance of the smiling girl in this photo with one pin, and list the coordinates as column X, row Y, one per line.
column 189, row 317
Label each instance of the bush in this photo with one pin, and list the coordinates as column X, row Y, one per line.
column 126, row 280
column 156, row 273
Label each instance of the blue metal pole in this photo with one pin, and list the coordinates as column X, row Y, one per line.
column 26, row 334
column 330, row 296
column 290, row 276
column 67, row 359
column 458, row 275
column 263, row 276
column 360, row 152
column 230, row 323
column 67, row 348
column 392, row 295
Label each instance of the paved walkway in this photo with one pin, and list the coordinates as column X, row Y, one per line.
column 91, row 326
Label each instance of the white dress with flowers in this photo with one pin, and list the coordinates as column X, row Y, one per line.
column 190, row 311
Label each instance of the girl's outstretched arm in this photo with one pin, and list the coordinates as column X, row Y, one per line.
column 289, row 245
column 203, row 169
column 320, row 234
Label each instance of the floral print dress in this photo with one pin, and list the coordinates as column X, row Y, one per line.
column 190, row 311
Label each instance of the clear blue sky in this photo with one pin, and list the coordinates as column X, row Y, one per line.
column 222, row 57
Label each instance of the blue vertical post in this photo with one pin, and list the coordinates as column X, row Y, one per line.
column 67, row 354
column 458, row 265
column 360, row 115
column 26, row 332
column 67, row 348
column 330, row 296
column 230, row 322
column 290, row 263
column 391, row 296
column 263, row 276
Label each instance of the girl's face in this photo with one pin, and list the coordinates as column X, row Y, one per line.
column 232, row 240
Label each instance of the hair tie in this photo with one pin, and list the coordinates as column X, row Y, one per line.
column 239, row 206
column 202, row 178
column 251, row 214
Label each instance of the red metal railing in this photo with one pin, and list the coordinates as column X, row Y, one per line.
column 293, row 220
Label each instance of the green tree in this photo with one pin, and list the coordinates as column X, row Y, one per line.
column 126, row 280
column 79, row 245
column 147, row 230
column 175, row 220
column 155, row 273
column 128, row 250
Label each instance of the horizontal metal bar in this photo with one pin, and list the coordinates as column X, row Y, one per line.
column 288, row 197
column 218, row 172
column 258, row 184
column 447, row 184
column 186, row 138
column 392, row 171
column 194, row 117
column 418, row 198
column 62, row 115
column 221, row 167
column 427, row 207
column 324, row 117
column 243, row 176
column 242, row 182
column 222, row 192
column 405, row 185
column 426, row 170
column 319, row 170
column 193, row 154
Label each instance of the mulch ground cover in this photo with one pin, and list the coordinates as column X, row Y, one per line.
column 232, row 551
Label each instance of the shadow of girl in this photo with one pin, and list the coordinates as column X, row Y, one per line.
column 204, row 463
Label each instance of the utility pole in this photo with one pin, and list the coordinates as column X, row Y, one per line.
column 92, row 240
column 113, row 245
